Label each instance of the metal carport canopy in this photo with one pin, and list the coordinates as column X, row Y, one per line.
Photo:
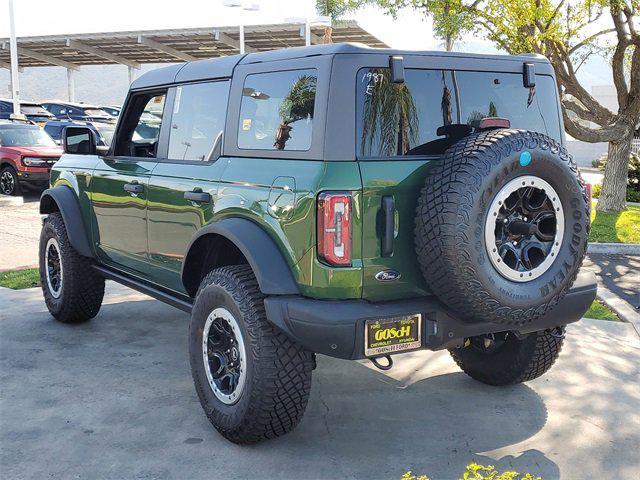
column 169, row 46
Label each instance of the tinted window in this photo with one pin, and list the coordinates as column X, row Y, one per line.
column 199, row 112
column 55, row 109
column 435, row 108
column 54, row 131
column 277, row 109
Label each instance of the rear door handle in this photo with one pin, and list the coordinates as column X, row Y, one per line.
column 133, row 188
column 200, row 197
column 388, row 214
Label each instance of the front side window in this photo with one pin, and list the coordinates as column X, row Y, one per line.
column 276, row 111
column 199, row 112
column 435, row 108
column 140, row 126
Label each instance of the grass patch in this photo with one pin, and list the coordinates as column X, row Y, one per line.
column 19, row 279
column 600, row 311
column 623, row 227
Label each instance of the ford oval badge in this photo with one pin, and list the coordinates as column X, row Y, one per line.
column 387, row 276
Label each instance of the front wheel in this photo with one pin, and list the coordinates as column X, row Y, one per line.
column 505, row 359
column 253, row 382
column 72, row 290
column 9, row 184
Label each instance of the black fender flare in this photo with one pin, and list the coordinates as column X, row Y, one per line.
column 65, row 200
column 267, row 262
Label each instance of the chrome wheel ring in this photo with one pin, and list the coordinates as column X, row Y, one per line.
column 524, row 228
column 224, row 356
column 7, row 182
column 53, row 267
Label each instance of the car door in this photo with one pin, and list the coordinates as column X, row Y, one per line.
column 183, row 187
column 120, row 188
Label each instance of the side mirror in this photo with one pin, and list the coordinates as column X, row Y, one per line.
column 79, row 141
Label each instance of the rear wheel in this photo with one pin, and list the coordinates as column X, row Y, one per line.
column 504, row 359
column 501, row 226
column 72, row 290
column 253, row 382
column 9, row 184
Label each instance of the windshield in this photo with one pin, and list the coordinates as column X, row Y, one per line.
column 435, row 108
column 96, row 112
column 34, row 110
column 25, row 137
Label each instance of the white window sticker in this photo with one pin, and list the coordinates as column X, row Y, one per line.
column 176, row 103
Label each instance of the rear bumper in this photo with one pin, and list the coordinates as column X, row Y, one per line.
column 336, row 328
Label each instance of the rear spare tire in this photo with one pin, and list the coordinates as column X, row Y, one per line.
column 502, row 225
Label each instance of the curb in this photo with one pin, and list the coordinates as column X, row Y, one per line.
column 625, row 311
column 614, row 248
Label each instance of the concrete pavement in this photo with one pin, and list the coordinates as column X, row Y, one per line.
column 19, row 231
column 113, row 398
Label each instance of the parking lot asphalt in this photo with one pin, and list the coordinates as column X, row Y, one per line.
column 113, row 398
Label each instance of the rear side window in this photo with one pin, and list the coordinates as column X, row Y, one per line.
column 435, row 108
column 199, row 112
column 276, row 112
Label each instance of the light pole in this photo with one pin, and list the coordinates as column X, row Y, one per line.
column 251, row 7
column 15, row 89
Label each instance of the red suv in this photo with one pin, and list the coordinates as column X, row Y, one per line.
column 26, row 156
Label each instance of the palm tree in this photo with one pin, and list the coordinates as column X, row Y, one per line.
column 390, row 115
column 297, row 105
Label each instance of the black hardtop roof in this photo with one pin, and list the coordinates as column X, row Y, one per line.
column 222, row 67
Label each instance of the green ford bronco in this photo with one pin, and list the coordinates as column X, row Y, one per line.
column 335, row 199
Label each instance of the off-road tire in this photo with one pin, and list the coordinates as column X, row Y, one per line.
column 7, row 170
column 450, row 224
column 82, row 288
column 278, row 378
column 517, row 361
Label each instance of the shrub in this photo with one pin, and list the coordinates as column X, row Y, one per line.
column 633, row 180
column 633, row 195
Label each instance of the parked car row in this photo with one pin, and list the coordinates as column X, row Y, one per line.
column 41, row 113
column 30, row 142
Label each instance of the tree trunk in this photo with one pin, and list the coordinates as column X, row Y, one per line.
column 328, row 35
column 448, row 43
column 614, row 186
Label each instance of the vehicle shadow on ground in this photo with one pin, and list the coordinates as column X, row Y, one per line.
column 114, row 397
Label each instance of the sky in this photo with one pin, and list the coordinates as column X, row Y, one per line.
column 49, row 17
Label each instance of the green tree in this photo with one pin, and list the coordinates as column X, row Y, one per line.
column 451, row 18
column 564, row 32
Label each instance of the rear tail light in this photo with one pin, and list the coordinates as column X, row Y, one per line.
column 334, row 228
column 589, row 193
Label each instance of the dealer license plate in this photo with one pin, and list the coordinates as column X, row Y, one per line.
column 392, row 335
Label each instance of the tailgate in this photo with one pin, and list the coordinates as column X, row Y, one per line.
column 401, row 181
